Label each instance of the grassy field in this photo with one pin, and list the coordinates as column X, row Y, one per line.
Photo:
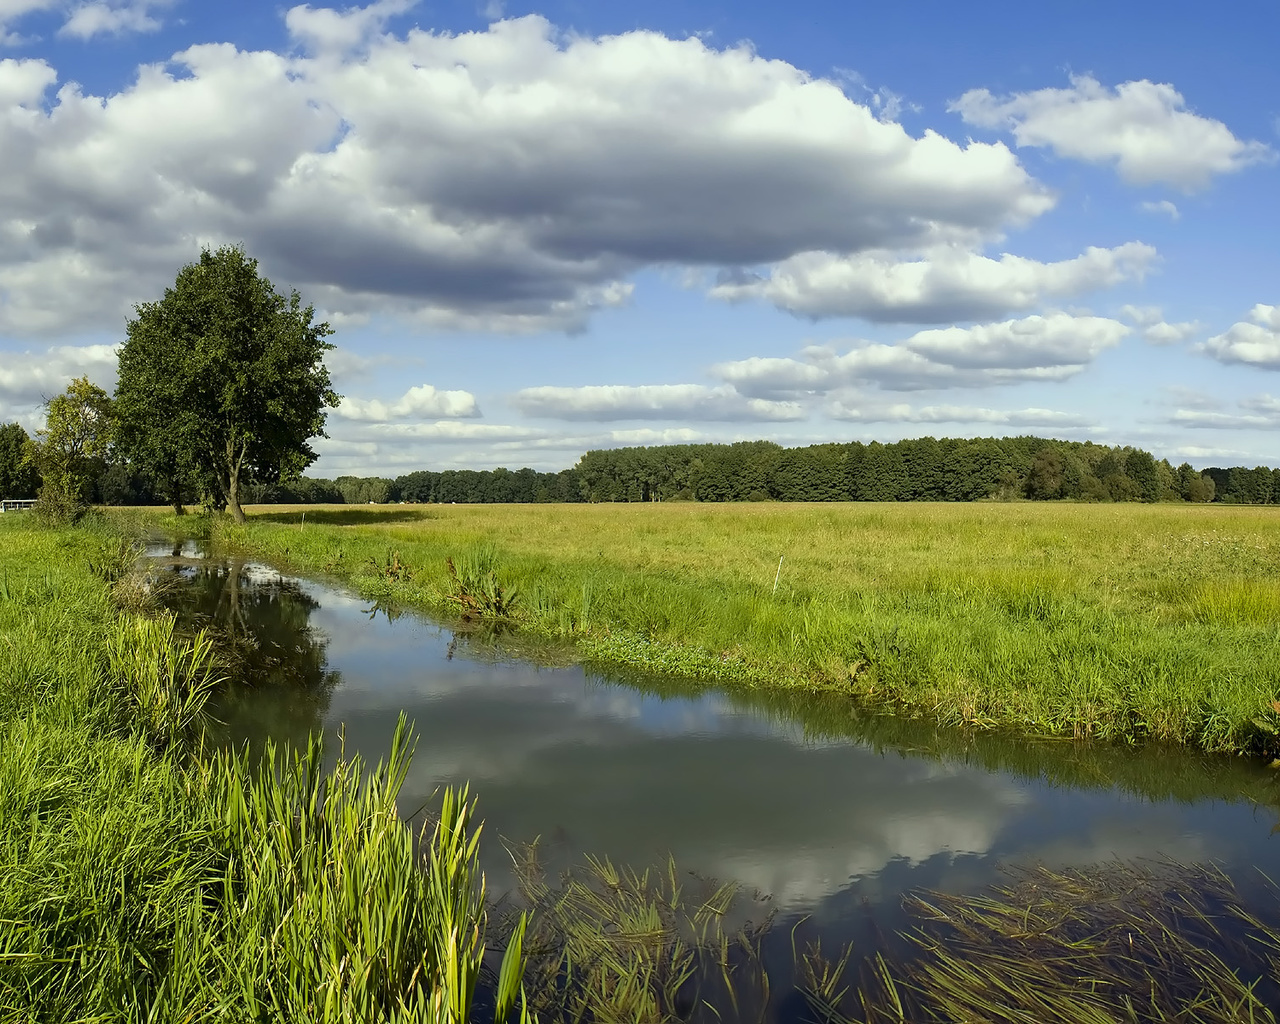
column 1114, row 621
column 142, row 881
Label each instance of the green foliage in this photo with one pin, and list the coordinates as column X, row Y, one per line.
column 18, row 478
column 223, row 380
column 71, row 449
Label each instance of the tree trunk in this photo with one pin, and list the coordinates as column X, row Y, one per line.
column 234, row 462
column 175, row 496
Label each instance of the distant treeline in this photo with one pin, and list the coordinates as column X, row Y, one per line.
column 922, row 469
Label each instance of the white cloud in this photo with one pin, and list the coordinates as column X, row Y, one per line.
column 946, row 286
column 864, row 411
column 421, row 402
column 325, row 29
column 1256, row 343
column 1163, row 207
column 1035, row 348
column 1143, row 128
column 511, row 178
column 1150, row 320
column 84, row 21
column 655, row 401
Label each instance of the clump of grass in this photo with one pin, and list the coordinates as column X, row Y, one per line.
column 167, row 679
column 390, row 567
column 328, row 914
column 473, row 586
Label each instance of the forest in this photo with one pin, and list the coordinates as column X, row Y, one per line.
column 919, row 469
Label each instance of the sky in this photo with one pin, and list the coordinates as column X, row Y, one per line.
column 538, row 229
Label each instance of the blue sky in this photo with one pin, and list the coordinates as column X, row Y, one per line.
column 544, row 228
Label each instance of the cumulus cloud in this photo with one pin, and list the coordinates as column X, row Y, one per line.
column 1150, row 320
column 863, row 411
column 654, row 401
column 1035, row 348
column 1142, row 128
column 1259, row 413
column 1253, row 343
column 511, row 178
column 421, row 402
column 947, row 285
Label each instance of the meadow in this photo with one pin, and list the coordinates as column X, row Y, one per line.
column 1119, row 621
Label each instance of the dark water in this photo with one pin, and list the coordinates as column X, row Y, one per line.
column 832, row 813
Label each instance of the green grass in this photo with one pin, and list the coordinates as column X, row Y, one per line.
column 143, row 880
column 1114, row 621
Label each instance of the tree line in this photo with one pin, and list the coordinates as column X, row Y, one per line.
column 920, row 469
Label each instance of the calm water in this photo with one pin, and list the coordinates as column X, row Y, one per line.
column 833, row 814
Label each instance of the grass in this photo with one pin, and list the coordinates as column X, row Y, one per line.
column 143, row 879
column 1125, row 622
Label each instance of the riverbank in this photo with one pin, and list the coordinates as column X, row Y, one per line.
column 142, row 878
column 1122, row 622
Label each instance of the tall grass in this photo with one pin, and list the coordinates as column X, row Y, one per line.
column 1119, row 622
column 143, row 880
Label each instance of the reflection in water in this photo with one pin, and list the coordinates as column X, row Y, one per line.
column 280, row 671
column 834, row 812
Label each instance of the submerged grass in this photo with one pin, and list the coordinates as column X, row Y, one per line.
column 1114, row 943
column 142, row 879
column 1119, row 622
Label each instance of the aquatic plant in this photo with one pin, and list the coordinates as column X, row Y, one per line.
column 609, row 943
column 1116, row 942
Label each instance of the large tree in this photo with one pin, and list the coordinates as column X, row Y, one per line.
column 223, row 380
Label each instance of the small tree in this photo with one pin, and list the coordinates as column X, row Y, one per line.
column 223, row 380
column 71, row 449
column 18, row 478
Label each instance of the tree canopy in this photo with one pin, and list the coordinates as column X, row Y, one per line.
column 70, row 451
column 222, row 382
column 18, row 478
